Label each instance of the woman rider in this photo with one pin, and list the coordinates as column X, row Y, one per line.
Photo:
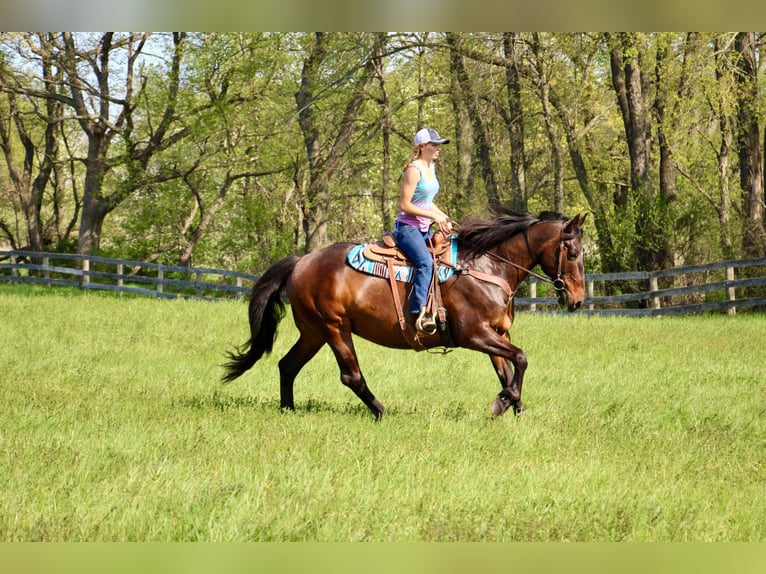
column 416, row 213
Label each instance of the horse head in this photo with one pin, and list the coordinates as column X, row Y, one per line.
column 562, row 261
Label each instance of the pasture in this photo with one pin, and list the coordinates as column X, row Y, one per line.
column 114, row 427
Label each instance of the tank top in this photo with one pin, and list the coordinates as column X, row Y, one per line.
column 423, row 197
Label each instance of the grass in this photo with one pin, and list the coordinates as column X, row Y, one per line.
column 114, row 427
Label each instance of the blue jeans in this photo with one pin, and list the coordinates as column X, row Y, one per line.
column 413, row 242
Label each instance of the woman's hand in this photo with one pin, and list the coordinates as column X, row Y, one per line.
column 443, row 221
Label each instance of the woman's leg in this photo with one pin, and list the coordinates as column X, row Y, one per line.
column 413, row 243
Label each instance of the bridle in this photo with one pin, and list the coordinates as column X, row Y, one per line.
column 561, row 252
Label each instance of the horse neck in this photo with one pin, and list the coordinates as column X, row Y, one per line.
column 541, row 237
column 526, row 249
column 521, row 253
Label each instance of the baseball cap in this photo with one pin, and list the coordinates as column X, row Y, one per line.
column 427, row 135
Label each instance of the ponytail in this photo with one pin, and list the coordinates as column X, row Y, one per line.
column 413, row 156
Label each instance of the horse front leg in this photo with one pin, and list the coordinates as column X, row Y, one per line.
column 511, row 379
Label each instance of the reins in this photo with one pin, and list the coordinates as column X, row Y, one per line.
column 558, row 282
column 507, row 261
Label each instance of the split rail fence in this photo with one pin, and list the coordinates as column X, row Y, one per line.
column 714, row 287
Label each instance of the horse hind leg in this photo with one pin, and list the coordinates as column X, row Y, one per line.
column 350, row 374
column 291, row 364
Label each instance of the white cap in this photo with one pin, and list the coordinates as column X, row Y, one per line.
column 427, row 135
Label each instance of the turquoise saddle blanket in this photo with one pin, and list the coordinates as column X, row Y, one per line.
column 403, row 273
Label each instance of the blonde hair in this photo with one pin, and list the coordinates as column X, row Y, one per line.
column 416, row 149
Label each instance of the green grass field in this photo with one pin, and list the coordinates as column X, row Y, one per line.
column 114, row 427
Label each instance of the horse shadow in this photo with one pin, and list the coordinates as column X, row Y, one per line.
column 219, row 401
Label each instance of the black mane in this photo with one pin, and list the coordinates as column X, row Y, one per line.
column 478, row 236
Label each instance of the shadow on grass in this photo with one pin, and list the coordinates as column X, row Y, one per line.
column 219, row 401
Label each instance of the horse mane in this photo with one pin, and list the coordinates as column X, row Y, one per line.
column 478, row 236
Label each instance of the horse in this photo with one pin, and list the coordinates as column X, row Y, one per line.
column 330, row 302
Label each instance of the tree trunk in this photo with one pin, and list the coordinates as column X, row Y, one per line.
column 463, row 144
column 662, row 253
column 610, row 263
column 515, row 124
column 724, row 122
column 748, row 141
column 543, row 83
column 380, row 73
column 95, row 206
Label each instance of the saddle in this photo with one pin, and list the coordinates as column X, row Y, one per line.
column 386, row 252
column 385, row 248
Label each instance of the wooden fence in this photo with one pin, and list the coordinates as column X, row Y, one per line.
column 123, row 276
column 714, row 287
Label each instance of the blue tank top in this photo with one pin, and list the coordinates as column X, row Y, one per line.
column 423, row 197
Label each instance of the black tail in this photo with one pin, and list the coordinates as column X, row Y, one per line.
column 266, row 311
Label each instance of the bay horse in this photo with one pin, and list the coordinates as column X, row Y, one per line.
column 330, row 301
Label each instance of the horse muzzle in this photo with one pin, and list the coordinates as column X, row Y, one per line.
column 568, row 302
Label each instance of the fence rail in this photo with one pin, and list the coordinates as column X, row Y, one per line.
column 724, row 286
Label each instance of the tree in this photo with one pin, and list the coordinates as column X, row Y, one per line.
column 480, row 130
column 749, row 146
column 236, row 148
column 632, row 87
column 85, row 85
column 326, row 144
column 36, row 128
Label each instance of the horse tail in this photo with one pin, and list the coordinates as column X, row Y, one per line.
column 266, row 310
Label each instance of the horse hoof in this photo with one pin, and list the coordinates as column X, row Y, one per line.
column 499, row 406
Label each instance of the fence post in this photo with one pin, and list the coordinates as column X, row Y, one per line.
column 160, row 278
column 198, row 285
column 14, row 271
column 85, row 272
column 46, row 273
column 654, row 286
column 120, row 280
column 730, row 294
column 589, row 285
column 239, row 286
column 533, row 293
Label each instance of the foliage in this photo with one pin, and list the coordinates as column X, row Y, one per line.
column 277, row 140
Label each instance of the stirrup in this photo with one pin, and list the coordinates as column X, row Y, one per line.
column 425, row 322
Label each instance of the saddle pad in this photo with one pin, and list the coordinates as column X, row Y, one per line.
column 403, row 273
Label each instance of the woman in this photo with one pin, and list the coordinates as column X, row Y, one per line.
column 413, row 222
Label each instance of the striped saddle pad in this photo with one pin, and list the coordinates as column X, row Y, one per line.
column 370, row 258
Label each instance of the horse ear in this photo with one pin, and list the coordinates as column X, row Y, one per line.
column 573, row 226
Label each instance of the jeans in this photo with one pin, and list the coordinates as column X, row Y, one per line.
column 413, row 242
